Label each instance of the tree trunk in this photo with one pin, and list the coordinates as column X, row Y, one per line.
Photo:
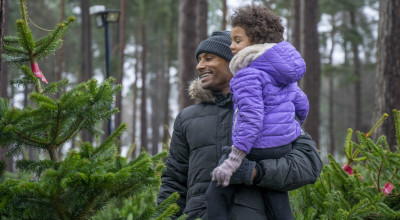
column 31, row 151
column 59, row 62
column 3, row 70
column 135, row 94
column 331, row 121
column 120, row 76
column 60, row 52
column 296, row 34
column 3, row 91
column 201, row 21
column 387, row 87
column 186, row 48
column 86, row 54
column 357, row 74
column 312, row 79
column 167, row 85
column 156, row 110
column 224, row 13
column 4, row 79
column 289, row 19
column 143, row 111
column 296, row 31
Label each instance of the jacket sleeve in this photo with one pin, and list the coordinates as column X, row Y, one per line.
column 249, row 112
column 300, row 167
column 174, row 178
column 301, row 104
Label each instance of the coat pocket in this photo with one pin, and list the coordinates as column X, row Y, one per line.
column 249, row 197
column 196, row 206
column 248, row 204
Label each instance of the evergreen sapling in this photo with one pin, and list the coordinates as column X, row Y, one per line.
column 88, row 178
column 365, row 187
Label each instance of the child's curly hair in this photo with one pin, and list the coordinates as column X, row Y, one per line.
column 260, row 24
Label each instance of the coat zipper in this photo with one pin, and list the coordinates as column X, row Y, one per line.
column 234, row 123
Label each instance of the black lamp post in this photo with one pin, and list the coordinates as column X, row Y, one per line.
column 102, row 19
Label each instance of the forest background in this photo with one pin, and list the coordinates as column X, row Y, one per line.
column 349, row 47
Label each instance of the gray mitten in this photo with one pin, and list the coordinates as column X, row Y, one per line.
column 222, row 174
column 244, row 174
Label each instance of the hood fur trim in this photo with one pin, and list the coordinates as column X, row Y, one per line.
column 197, row 92
column 247, row 55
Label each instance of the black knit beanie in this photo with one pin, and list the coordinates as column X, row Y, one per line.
column 217, row 44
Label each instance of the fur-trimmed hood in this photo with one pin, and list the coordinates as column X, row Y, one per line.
column 247, row 55
column 281, row 61
column 197, row 92
column 204, row 95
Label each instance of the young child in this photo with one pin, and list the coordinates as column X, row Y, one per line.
column 266, row 99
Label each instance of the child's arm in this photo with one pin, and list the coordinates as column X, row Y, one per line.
column 247, row 92
column 301, row 105
column 249, row 113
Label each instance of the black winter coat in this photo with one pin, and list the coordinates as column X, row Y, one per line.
column 200, row 131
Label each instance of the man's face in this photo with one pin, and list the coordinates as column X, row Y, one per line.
column 214, row 72
column 240, row 40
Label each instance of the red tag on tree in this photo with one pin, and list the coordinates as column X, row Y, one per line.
column 348, row 169
column 387, row 188
column 37, row 73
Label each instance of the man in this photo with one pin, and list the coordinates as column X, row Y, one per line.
column 200, row 133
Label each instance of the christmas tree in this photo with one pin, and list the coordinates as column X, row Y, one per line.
column 88, row 178
column 365, row 187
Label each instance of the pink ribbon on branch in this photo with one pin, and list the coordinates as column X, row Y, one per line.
column 37, row 73
column 349, row 170
column 387, row 188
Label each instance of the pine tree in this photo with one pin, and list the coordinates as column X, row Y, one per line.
column 87, row 179
column 366, row 187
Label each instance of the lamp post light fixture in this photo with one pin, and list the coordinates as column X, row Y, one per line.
column 107, row 16
column 103, row 17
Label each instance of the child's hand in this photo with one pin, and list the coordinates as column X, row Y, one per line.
column 222, row 174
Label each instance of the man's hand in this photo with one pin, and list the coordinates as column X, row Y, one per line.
column 254, row 174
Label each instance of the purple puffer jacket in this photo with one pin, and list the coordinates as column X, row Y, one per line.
column 266, row 96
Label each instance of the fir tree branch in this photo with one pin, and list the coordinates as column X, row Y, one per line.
column 394, row 173
column 74, row 130
column 36, row 141
column 89, row 207
column 58, row 119
column 393, row 196
column 25, row 137
column 27, row 71
column 10, row 40
column 117, row 132
column 60, row 210
column 379, row 175
column 24, row 36
column 48, row 42
column 59, row 28
column 23, row 10
column 14, row 50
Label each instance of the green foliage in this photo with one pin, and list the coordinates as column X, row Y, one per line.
column 90, row 177
column 2, row 169
column 23, row 48
column 80, row 185
column 142, row 206
column 52, row 122
column 357, row 193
